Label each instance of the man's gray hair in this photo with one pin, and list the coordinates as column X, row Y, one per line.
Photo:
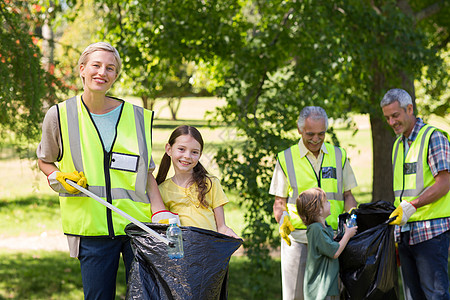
column 399, row 95
column 314, row 112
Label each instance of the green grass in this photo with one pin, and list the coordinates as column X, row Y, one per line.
column 44, row 275
column 54, row 275
column 29, row 215
column 239, row 284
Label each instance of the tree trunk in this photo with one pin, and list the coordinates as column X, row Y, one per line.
column 148, row 104
column 174, row 106
column 382, row 141
column 151, row 103
column 144, row 101
column 383, row 138
column 47, row 45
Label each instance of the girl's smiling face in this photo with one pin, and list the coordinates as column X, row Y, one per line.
column 185, row 153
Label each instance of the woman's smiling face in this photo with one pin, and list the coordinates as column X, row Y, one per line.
column 100, row 71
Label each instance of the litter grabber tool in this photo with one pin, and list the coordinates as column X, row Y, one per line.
column 122, row 213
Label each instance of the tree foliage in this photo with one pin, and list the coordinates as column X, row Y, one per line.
column 267, row 58
column 77, row 26
column 151, row 66
column 24, row 82
column 271, row 58
column 341, row 55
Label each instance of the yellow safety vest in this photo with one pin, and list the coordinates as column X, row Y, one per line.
column 412, row 176
column 118, row 177
column 301, row 176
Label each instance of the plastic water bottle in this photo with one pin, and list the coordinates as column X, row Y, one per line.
column 175, row 248
column 351, row 222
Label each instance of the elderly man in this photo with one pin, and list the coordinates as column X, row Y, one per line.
column 421, row 163
column 310, row 163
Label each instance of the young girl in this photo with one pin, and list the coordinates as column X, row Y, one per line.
column 322, row 265
column 195, row 195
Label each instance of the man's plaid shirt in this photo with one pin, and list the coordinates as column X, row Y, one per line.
column 438, row 160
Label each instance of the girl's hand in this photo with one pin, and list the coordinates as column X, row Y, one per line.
column 350, row 231
column 228, row 231
column 220, row 223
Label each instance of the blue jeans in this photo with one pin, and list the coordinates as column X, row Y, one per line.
column 425, row 267
column 99, row 261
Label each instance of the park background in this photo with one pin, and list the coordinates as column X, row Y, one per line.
column 258, row 63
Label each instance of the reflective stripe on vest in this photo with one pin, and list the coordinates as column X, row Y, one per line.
column 301, row 176
column 125, row 189
column 412, row 176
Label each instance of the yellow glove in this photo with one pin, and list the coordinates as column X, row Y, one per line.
column 286, row 227
column 403, row 212
column 57, row 181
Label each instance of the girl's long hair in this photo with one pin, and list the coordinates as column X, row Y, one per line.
column 199, row 175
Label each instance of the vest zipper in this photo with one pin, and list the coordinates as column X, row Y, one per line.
column 106, row 159
column 318, row 177
column 403, row 172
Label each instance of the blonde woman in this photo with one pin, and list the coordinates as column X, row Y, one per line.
column 104, row 143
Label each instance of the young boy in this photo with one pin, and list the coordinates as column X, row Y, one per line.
column 322, row 265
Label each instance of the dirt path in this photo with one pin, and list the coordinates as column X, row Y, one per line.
column 49, row 241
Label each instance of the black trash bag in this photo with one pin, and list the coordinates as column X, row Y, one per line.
column 368, row 265
column 201, row 274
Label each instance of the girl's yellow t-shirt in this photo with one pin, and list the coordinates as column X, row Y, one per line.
column 184, row 202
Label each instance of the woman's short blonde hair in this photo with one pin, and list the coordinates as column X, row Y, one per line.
column 100, row 46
